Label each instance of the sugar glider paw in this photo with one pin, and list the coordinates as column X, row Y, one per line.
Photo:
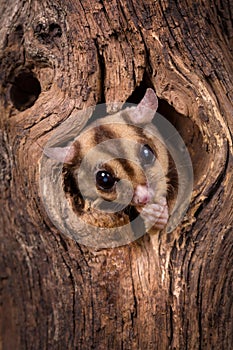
column 155, row 215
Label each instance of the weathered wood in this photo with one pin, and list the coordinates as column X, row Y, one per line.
column 169, row 292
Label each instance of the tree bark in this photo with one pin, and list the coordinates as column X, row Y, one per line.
column 57, row 58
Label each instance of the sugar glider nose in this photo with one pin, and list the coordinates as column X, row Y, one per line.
column 142, row 195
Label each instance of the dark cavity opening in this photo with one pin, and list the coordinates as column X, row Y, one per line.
column 25, row 90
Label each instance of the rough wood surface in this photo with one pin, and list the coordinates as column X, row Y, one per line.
column 172, row 292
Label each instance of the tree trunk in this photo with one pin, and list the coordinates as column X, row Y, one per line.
column 59, row 57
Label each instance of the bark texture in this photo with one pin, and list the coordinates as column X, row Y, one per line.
column 58, row 57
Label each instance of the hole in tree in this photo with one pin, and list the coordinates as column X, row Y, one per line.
column 19, row 32
column 140, row 90
column 25, row 90
column 55, row 30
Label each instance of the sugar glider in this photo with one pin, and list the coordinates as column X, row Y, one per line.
column 118, row 168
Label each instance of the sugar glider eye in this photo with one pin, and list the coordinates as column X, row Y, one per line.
column 104, row 180
column 147, row 155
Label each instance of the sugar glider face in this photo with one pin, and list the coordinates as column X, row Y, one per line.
column 120, row 158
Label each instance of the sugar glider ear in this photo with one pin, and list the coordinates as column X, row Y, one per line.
column 145, row 110
column 61, row 154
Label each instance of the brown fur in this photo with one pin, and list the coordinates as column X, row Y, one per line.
column 127, row 167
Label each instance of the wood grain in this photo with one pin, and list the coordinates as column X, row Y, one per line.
column 166, row 292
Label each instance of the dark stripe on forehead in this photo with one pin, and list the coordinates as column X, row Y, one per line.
column 126, row 165
column 103, row 133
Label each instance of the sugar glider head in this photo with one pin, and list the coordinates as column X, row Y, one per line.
column 119, row 158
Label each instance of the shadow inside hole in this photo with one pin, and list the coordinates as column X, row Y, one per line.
column 192, row 137
column 25, row 90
